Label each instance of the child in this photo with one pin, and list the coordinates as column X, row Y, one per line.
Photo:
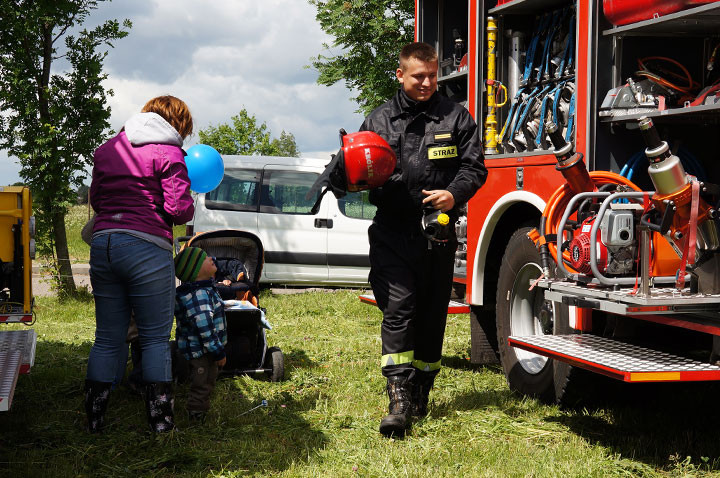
column 201, row 335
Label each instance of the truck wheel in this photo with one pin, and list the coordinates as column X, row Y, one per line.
column 275, row 360
column 521, row 311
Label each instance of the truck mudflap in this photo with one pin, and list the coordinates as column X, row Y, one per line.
column 17, row 356
column 618, row 360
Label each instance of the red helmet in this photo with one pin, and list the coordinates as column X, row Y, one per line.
column 369, row 160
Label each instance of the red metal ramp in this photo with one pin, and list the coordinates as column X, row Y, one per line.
column 454, row 307
column 17, row 356
column 619, row 360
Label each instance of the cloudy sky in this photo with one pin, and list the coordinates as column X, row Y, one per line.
column 221, row 56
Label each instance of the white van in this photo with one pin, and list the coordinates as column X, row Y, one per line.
column 266, row 196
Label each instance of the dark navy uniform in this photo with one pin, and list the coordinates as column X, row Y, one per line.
column 438, row 147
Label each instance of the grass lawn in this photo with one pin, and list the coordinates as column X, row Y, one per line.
column 322, row 421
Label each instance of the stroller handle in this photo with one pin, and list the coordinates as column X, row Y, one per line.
column 178, row 240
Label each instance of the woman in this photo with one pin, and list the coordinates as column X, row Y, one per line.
column 139, row 189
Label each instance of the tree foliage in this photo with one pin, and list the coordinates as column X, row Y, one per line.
column 54, row 106
column 243, row 135
column 369, row 34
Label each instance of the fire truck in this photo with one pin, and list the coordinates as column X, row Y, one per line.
column 17, row 250
column 593, row 245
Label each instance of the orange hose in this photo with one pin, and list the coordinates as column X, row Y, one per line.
column 555, row 207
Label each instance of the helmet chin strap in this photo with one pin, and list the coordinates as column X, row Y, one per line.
column 332, row 179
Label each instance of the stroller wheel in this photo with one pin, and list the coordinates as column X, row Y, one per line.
column 275, row 360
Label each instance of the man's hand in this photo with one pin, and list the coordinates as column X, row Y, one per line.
column 439, row 199
column 221, row 363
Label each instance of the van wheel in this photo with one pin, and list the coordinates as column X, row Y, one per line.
column 275, row 361
column 521, row 311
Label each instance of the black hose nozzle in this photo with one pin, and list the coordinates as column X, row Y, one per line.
column 657, row 149
column 555, row 135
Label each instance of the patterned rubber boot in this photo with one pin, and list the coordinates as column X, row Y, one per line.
column 97, row 395
column 396, row 423
column 159, row 403
column 420, row 388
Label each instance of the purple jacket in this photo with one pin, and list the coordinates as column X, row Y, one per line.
column 140, row 181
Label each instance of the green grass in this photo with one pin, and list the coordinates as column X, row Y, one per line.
column 322, row 421
column 74, row 221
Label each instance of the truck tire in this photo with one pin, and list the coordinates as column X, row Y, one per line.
column 520, row 311
column 483, row 336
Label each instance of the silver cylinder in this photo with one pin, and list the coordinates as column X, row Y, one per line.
column 514, row 63
column 668, row 175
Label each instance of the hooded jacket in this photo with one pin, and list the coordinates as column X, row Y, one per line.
column 437, row 147
column 140, row 181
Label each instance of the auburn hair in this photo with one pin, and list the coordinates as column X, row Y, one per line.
column 418, row 50
column 174, row 111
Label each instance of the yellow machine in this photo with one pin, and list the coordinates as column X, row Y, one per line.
column 17, row 249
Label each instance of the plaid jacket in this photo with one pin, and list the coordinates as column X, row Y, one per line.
column 200, row 321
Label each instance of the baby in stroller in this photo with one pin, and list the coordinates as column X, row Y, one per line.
column 232, row 280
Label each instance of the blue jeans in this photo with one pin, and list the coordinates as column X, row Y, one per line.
column 130, row 274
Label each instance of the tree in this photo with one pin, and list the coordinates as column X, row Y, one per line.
column 286, row 146
column 370, row 34
column 245, row 136
column 53, row 120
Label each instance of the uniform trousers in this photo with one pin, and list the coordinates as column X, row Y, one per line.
column 411, row 279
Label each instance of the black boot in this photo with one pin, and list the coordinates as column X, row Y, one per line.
column 96, row 400
column 398, row 421
column 159, row 403
column 420, row 387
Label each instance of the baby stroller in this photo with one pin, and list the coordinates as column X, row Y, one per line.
column 239, row 256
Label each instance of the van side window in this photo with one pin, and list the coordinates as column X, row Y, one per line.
column 357, row 205
column 284, row 192
column 238, row 191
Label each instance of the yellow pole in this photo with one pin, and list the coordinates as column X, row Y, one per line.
column 491, row 119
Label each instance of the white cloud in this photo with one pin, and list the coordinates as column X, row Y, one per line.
column 221, row 56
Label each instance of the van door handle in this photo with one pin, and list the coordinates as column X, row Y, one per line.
column 328, row 223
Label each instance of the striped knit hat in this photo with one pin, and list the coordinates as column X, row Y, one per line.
column 188, row 263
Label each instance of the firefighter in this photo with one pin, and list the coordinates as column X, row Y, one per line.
column 439, row 167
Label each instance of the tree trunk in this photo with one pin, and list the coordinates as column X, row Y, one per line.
column 65, row 280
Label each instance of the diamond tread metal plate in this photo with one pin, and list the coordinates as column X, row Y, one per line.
column 620, row 360
column 10, row 363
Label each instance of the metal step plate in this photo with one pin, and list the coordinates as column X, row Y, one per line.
column 454, row 307
column 23, row 341
column 625, row 301
column 10, row 363
column 626, row 362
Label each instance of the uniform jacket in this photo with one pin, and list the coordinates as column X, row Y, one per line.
column 200, row 321
column 140, row 181
column 437, row 147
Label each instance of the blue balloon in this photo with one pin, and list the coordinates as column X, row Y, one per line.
column 205, row 168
